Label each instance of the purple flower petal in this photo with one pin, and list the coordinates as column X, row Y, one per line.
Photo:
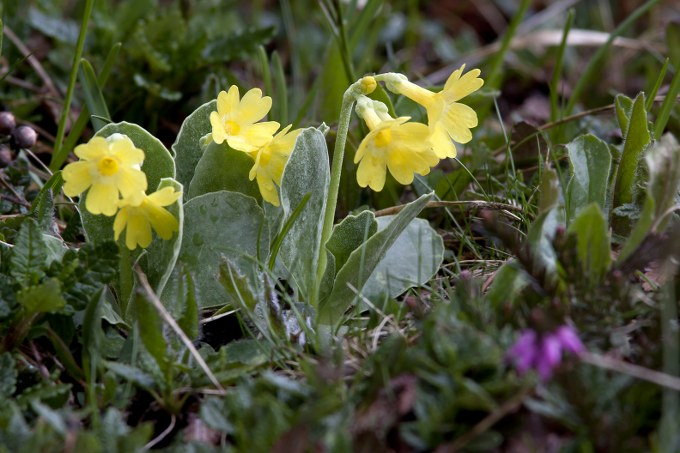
column 570, row 340
column 523, row 352
column 549, row 356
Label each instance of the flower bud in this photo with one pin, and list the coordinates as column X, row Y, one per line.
column 368, row 84
column 24, row 137
column 7, row 122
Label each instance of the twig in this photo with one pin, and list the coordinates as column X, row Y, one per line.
column 610, row 363
column 167, row 317
column 509, row 406
column 33, row 61
column 162, row 435
column 470, row 205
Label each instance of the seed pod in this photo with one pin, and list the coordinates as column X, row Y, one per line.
column 6, row 156
column 24, row 137
column 7, row 122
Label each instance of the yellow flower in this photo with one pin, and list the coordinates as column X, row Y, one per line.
column 236, row 120
column 270, row 161
column 447, row 118
column 392, row 144
column 107, row 166
column 140, row 216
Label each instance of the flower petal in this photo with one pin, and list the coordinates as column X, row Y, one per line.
column 138, row 231
column 126, row 152
column 95, row 148
column 253, row 106
column 227, row 102
column 131, row 181
column 219, row 134
column 164, row 197
column 164, row 223
column 120, row 222
column 371, row 172
column 457, row 86
column 267, row 189
column 77, row 178
column 102, row 199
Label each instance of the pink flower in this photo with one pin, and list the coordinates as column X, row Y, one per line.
column 543, row 353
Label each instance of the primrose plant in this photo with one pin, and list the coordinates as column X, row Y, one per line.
column 241, row 206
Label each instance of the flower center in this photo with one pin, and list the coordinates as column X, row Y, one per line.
column 232, row 127
column 107, row 166
column 383, row 138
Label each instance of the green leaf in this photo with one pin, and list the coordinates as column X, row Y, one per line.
column 181, row 301
column 42, row 298
column 640, row 230
column 42, row 208
column 549, row 189
column 591, row 163
column 411, row 261
column 221, row 225
column 507, row 283
column 307, row 172
column 349, row 234
column 94, row 99
column 150, row 329
column 92, row 333
column 663, row 162
column 162, row 254
column 637, row 139
column 540, row 237
column 84, row 272
column 8, row 375
column 624, row 107
column 223, row 168
column 187, row 149
column 238, row 288
column 363, row 261
column 130, row 373
column 229, row 47
column 29, row 253
column 592, row 242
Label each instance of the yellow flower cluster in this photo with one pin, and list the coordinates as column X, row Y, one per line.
column 406, row 148
column 237, row 122
column 111, row 169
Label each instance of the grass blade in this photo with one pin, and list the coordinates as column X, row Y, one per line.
column 59, row 153
column 94, row 99
column 594, row 63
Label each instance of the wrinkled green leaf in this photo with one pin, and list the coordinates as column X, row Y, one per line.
column 221, row 225
column 223, row 168
column 307, row 171
column 637, row 139
column 592, row 242
column 187, row 149
column 349, row 234
column 42, row 298
column 624, row 107
column 411, row 261
column 590, row 162
column 352, row 277
column 29, row 253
